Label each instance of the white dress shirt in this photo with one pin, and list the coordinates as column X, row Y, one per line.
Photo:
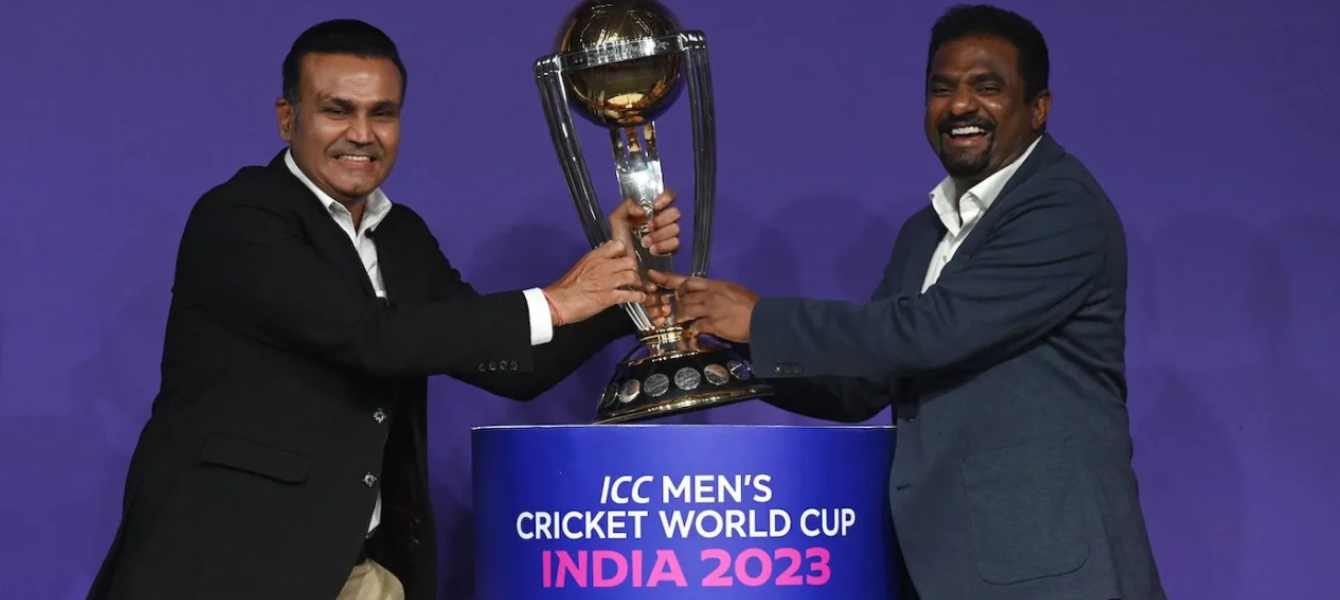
column 376, row 209
column 960, row 217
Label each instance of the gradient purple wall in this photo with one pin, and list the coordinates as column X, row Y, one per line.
column 1211, row 124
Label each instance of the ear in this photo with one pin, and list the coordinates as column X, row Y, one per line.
column 1041, row 109
column 287, row 116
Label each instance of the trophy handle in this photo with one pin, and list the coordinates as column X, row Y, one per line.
column 702, row 109
column 563, row 132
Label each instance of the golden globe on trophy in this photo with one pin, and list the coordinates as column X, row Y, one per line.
column 621, row 64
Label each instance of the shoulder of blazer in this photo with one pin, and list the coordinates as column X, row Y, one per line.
column 271, row 188
column 1051, row 170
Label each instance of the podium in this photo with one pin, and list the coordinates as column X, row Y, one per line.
column 683, row 511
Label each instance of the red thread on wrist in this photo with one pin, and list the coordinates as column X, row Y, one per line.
column 554, row 305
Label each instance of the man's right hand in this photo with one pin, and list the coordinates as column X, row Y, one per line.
column 604, row 277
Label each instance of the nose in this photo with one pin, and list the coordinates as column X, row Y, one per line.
column 962, row 102
column 360, row 131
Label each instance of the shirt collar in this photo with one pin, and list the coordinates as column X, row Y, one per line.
column 378, row 204
column 980, row 196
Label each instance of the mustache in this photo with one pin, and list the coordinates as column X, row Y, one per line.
column 948, row 125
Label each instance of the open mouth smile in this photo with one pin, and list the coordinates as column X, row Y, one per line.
column 355, row 161
column 965, row 136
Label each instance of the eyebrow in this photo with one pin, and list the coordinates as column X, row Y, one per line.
column 987, row 78
column 980, row 78
column 346, row 104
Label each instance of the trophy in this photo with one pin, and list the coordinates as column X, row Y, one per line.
column 621, row 64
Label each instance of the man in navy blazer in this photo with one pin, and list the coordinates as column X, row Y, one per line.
column 997, row 333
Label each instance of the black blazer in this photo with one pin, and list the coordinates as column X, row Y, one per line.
column 1012, row 477
column 291, row 395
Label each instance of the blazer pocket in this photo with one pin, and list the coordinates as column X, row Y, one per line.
column 1025, row 512
column 259, row 458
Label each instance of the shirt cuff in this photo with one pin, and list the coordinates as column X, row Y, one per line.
column 541, row 320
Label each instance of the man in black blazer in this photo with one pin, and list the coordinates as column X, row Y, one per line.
column 997, row 333
column 285, row 456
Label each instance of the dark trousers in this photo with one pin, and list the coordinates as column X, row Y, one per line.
column 906, row 590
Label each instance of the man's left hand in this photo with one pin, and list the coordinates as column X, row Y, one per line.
column 714, row 307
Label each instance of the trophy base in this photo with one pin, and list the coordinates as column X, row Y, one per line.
column 671, row 374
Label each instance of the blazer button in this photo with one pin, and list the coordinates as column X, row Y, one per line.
column 798, row 369
column 369, row 480
column 379, row 416
column 493, row 366
column 512, row 365
column 482, row 367
column 777, row 369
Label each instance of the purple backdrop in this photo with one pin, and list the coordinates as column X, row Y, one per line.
column 1206, row 124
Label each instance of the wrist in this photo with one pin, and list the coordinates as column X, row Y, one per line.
column 555, row 313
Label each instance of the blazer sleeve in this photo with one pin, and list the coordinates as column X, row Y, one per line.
column 551, row 362
column 832, row 398
column 1038, row 266
column 249, row 264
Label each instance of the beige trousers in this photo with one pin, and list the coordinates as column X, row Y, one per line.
column 371, row 581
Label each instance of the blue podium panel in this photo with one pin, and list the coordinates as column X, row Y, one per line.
column 683, row 511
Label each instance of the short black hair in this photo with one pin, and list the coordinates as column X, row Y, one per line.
column 339, row 36
column 980, row 19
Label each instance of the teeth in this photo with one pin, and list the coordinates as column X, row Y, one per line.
column 354, row 158
column 967, row 131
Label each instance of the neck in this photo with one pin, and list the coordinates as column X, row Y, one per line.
column 355, row 207
column 963, row 184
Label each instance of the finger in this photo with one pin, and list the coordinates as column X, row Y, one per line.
column 617, row 264
column 688, row 297
column 662, row 247
column 664, row 200
column 665, row 219
column 666, row 280
column 669, row 232
column 627, row 279
column 627, row 296
column 627, row 208
column 635, row 212
column 612, row 249
column 667, row 247
column 695, row 284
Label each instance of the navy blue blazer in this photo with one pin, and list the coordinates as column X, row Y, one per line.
column 1012, row 477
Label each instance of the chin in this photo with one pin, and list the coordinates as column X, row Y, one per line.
column 357, row 186
column 964, row 166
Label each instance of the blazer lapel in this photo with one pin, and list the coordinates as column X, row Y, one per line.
column 1046, row 153
column 326, row 236
column 395, row 259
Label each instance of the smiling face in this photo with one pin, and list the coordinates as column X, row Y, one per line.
column 344, row 131
column 978, row 118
